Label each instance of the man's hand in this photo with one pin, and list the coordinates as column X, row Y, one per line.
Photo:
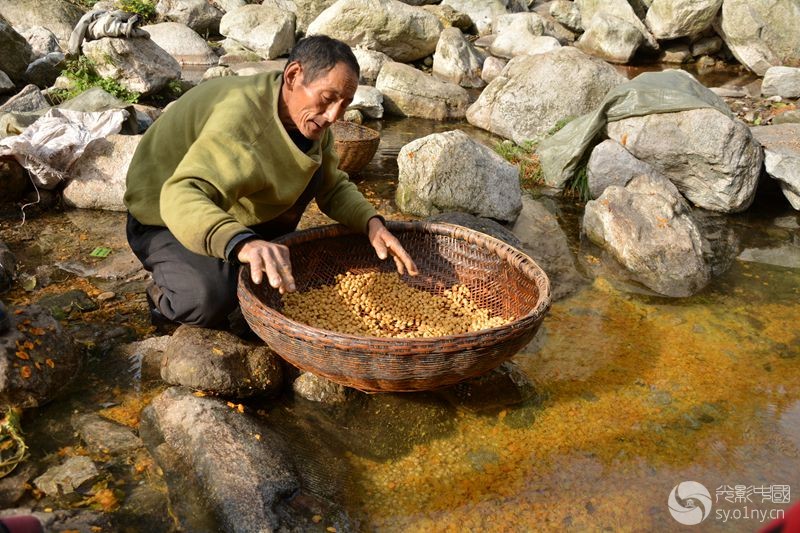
column 270, row 259
column 386, row 244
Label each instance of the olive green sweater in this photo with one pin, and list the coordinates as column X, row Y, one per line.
column 219, row 160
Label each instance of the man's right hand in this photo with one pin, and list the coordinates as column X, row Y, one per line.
column 268, row 258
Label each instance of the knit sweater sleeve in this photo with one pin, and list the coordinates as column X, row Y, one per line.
column 196, row 199
column 338, row 197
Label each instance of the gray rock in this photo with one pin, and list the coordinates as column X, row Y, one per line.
column 226, row 457
column 139, row 65
column 451, row 172
column 220, row 362
column 182, row 43
column 403, row 32
column 96, row 99
column 517, row 40
column 74, row 520
column 318, row 389
column 29, row 99
column 58, row 16
column 369, row 101
column 484, row 225
column 670, row 19
column 66, row 477
column 530, row 22
column 675, row 54
column 42, row 41
column 104, row 436
column 788, row 117
column 412, row 93
column 266, row 30
column 721, row 236
column 648, row 228
column 52, row 359
column 533, row 93
column 143, row 357
column 14, row 486
column 782, row 157
column 611, row 164
column 786, row 256
column 353, row 115
column 218, row 72
column 449, row 17
column 761, row 33
column 456, row 60
column 6, row 85
column 308, row 10
column 44, row 71
column 728, row 92
column 492, row 67
column 16, row 52
column 611, row 38
column 566, row 13
column 97, row 179
column 200, row 15
column 706, row 46
column 781, row 81
column 618, row 8
column 370, row 63
column 482, row 12
column 711, row 158
column 503, row 387
column 546, row 243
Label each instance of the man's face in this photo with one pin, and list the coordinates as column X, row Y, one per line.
column 315, row 106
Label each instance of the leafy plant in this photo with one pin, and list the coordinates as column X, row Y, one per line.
column 578, row 186
column 82, row 74
column 144, row 8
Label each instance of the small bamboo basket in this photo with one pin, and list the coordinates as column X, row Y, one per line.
column 355, row 144
column 499, row 277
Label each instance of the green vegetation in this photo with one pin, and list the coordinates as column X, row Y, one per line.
column 144, row 8
column 578, row 186
column 83, row 75
column 524, row 156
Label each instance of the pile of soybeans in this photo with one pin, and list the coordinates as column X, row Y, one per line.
column 379, row 304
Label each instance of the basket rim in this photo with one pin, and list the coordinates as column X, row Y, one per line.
column 517, row 258
column 374, row 135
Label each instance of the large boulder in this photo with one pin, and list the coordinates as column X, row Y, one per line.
column 544, row 240
column 182, row 43
column 521, row 33
column 370, row 62
column 450, row 18
column 618, row 8
column 533, row 93
column 58, row 16
column 139, row 65
column 266, row 30
column 369, row 101
column 670, row 19
column 221, row 363
column 227, row 459
column 403, row 32
column 200, row 15
column 712, row 158
column 456, row 60
column 29, row 99
column 97, row 179
column 781, row 81
column 44, row 71
column 532, row 22
column 6, row 85
column 308, row 10
column 452, row 172
column 482, row 12
column 38, row 358
column 42, row 41
column 761, row 33
column 566, row 13
column 16, row 52
column 611, row 38
column 611, row 164
column 648, row 228
column 782, row 157
column 412, row 93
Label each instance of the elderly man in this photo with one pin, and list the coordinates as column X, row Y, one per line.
column 233, row 164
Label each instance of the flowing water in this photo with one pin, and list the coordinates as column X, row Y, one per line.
column 632, row 394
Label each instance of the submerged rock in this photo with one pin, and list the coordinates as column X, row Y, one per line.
column 316, row 388
column 220, row 362
column 67, row 477
column 104, row 436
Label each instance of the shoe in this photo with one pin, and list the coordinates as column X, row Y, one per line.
column 157, row 319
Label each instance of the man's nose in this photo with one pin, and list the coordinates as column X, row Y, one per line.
column 334, row 111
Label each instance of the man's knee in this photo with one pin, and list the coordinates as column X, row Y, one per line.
column 205, row 306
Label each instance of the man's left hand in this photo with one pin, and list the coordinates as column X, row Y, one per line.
column 386, row 244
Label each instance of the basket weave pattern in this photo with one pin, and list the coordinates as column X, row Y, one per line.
column 355, row 144
column 500, row 277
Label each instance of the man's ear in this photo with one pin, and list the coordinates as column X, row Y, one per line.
column 292, row 74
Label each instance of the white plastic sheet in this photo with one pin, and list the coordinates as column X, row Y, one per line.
column 50, row 146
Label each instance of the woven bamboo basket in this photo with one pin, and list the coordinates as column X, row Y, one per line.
column 500, row 277
column 355, row 144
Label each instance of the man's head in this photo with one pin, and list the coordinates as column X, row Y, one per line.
column 319, row 82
